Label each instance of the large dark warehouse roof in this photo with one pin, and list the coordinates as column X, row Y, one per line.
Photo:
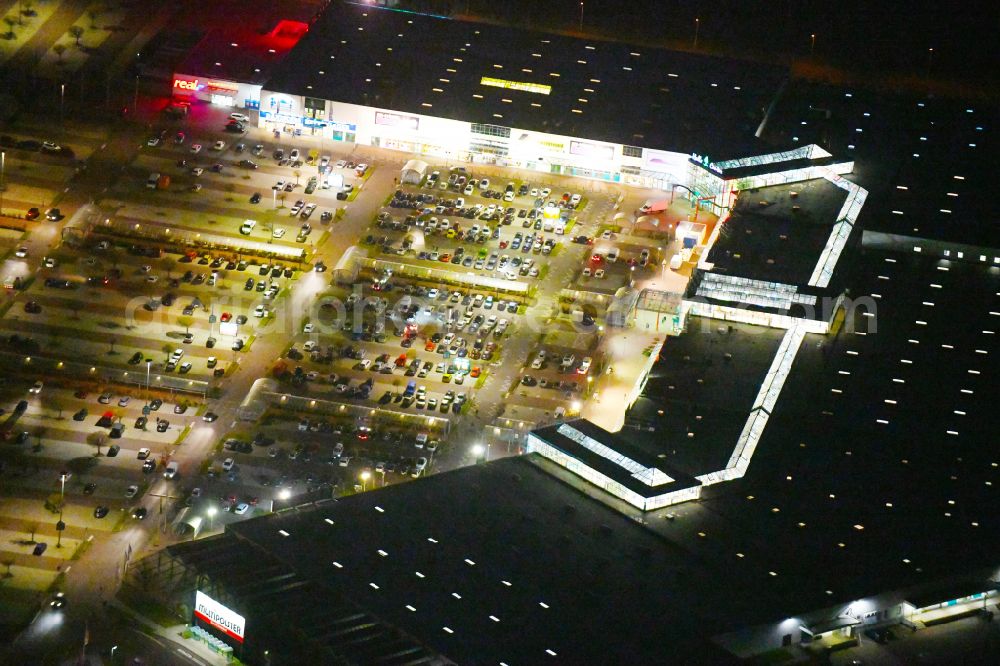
column 598, row 90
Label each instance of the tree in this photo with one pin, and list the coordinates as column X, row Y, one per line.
column 185, row 321
column 59, row 50
column 169, row 263
column 167, row 349
column 11, row 22
column 97, row 439
column 33, row 527
column 93, row 14
column 77, row 32
column 56, row 402
column 111, row 344
column 297, row 173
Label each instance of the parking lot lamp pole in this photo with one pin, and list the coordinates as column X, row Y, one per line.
column 62, row 103
column 149, row 362
column 3, row 169
column 62, row 495
column 697, row 26
column 581, row 17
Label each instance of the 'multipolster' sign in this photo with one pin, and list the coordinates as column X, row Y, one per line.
column 211, row 611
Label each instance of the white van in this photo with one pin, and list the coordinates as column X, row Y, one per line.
column 675, row 262
column 153, row 180
column 560, row 228
column 171, row 470
column 247, row 227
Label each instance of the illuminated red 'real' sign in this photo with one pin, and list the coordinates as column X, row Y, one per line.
column 187, row 85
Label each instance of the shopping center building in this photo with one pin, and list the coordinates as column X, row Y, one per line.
column 463, row 92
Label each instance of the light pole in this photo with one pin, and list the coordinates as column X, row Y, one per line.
column 365, row 475
column 62, row 102
column 697, row 26
column 930, row 59
column 3, row 169
column 113, row 648
column 149, row 363
column 62, row 495
column 211, row 517
column 581, row 17
column 812, row 44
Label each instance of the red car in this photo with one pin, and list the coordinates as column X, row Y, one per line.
column 475, row 372
column 429, row 346
column 597, row 258
column 32, row 214
column 225, row 316
column 445, row 257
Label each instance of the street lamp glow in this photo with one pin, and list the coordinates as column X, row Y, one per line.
column 478, row 450
column 212, row 511
column 576, row 405
column 366, row 475
column 284, row 494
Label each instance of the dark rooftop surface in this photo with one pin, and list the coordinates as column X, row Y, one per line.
column 704, row 397
column 879, row 467
column 262, row 588
column 765, row 238
column 608, row 465
column 501, row 563
column 245, row 46
column 599, row 90
column 928, row 163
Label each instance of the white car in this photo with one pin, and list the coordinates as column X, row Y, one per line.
column 308, row 328
column 534, row 193
column 323, row 161
column 260, row 311
column 278, row 232
column 599, row 273
column 21, row 252
column 574, row 200
column 143, row 453
column 240, row 117
column 484, row 184
column 546, row 191
column 196, row 148
column 584, row 365
column 280, row 185
column 36, row 388
column 228, row 464
column 49, row 262
column 294, row 155
column 219, row 145
column 197, row 171
column 309, row 346
column 241, row 508
column 131, row 491
column 123, row 401
column 469, row 189
column 340, row 164
column 154, row 142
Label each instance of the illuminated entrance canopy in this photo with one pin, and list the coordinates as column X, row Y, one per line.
column 516, row 85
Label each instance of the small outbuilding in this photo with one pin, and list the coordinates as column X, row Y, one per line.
column 413, row 172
